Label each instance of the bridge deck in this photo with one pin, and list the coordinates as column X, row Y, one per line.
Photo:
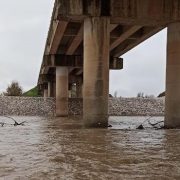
column 132, row 22
column 85, row 40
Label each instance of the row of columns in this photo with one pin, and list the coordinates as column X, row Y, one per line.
column 49, row 89
column 96, row 76
column 75, row 89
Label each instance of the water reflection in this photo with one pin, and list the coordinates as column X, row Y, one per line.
column 62, row 149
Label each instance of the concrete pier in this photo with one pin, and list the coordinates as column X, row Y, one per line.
column 45, row 93
column 96, row 71
column 79, row 87
column 50, row 89
column 54, row 89
column 89, row 38
column 61, row 91
column 172, row 102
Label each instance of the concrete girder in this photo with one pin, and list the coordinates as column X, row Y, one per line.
column 126, row 46
column 124, row 36
column 76, row 61
column 115, row 63
column 56, row 35
column 63, row 60
column 45, row 78
column 76, row 42
column 135, row 12
column 78, row 39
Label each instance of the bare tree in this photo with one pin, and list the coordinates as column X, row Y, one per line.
column 140, row 95
column 14, row 89
column 115, row 94
column 149, row 96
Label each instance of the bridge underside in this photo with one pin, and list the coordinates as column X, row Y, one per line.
column 87, row 37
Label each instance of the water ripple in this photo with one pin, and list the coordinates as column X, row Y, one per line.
column 61, row 148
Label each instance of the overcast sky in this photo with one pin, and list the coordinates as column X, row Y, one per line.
column 23, row 30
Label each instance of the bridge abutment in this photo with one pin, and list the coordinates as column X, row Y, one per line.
column 61, row 91
column 172, row 101
column 96, row 71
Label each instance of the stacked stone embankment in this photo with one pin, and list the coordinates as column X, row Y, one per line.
column 26, row 106
column 39, row 106
column 136, row 106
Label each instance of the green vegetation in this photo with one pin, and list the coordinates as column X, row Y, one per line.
column 32, row 92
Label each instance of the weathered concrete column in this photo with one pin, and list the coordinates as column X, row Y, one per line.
column 172, row 101
column 70, row 90
column 54, row 89
column 45, row 93
column 79, row 84
column 50, row 89
column 61, row 91
column 96, row 71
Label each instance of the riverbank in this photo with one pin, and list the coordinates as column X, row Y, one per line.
column 39, row 106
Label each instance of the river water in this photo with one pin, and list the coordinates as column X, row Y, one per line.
column 62, row 149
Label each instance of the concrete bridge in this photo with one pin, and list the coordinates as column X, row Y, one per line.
column 87, row 38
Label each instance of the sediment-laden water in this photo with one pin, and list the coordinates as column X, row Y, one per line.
column 62, row 149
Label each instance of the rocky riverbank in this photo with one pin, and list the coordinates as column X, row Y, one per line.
column 136, row 106
column 38, row 106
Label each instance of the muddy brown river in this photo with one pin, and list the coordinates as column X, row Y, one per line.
column 62, row 149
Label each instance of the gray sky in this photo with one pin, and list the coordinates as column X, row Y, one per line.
column 144, row 68
column 23, row 30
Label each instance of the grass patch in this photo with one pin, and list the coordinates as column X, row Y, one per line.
column 31, row 93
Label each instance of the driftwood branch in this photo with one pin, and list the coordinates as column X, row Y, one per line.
column 2, row 124
column 15, row 122
column 141, row 125
column 154, row 125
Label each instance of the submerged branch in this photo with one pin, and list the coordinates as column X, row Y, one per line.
column 2, row 124
column 141, row 125
column 15, row 122
column 154, row 125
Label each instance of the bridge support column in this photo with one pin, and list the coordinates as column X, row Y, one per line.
column 61, row 91
column 70, row 90
column 79, row 84
column 54, row 89
column 50, row 89
column 172, row 101
column 96, row 71
column 45, row 93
